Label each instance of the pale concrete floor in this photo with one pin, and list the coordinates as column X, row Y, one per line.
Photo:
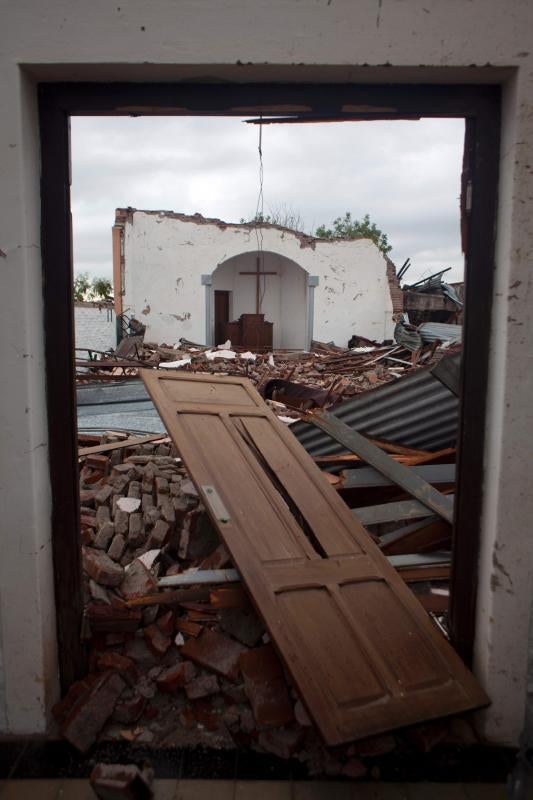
column 262, row 790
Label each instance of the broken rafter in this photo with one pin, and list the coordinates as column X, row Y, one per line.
column 399, row 474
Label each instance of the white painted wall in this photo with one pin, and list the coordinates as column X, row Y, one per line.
column 165, row 257
column 95, row 326
column 466, row 41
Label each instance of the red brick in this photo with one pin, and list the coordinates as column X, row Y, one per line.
column 265, row 687
column 103, row 495
column 97, row 461
column 165, row 623
column 129, row 710
column 218, row 559
column 176, row 677
column 101, row 568
column 156, row 641
column 87, row 497
column 121, row 664
column 90, row 713
column 203, row 686
column 105, row 535
column 282, row 742
column 108, row 619
column 122, row 782
column 216, row 652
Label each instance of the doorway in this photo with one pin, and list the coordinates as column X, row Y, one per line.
column 222, row 314
column 479, row 105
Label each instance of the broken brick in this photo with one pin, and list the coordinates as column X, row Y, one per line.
column 101, row 568
column 92, row 710
column 138, row 581
column 105, row 619
column 216, row 652
column 129, row 710
column 134, row 490
column 122, row 782
column 218, row 559
column 117, row 547
column 102, row 515
column 103, row 495
column 265, row 687
column 243, row 624
column 158, row 535
column 122, row 521
column 203, row 686
column 165, row 623
column 198, row 537
column 104, row 536
column 99, row 462
column 282, row 742
column 168, row 513
column 156, row 641
column 136, row 532
column 176, row 677
column 121, row 664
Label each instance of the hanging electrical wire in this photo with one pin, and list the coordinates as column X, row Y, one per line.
column 260, row 215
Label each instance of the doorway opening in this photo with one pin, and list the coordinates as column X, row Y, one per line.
column 479, row 106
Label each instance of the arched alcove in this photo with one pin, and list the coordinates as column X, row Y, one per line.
column 280, row 290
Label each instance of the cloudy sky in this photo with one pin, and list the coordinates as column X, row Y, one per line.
column 405, row 174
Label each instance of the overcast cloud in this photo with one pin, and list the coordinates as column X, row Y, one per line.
column 405, row 174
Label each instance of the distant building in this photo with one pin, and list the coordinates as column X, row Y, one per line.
column 187, row 276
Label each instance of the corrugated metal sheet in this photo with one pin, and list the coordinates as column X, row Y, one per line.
column 417, row 411
column 117, row 406
column 430, row 331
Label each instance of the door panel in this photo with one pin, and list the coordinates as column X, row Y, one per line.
column 361, row 649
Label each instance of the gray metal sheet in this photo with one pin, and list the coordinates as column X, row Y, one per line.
column 416, row 411
column 431, row 331
column 117, row 406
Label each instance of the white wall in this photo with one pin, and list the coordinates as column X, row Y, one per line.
column 465, row 41
column 95, row 326
column 165, row 256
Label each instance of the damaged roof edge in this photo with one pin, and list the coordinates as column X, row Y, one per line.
column 417, row 410
column 123, row 215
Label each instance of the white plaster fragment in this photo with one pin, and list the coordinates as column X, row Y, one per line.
column 182, row 362
column 128, row 504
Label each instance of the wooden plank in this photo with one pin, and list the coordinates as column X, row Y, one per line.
column 392, row 512
column 131, row 442
column 421, row 537
column 400, row 475
column 366, row 477
column 319, row 582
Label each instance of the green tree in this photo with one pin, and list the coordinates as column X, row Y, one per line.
column 82, row 286
column 348, row 228
column 101, row 288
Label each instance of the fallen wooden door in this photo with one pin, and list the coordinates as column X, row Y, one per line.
column 362, row 651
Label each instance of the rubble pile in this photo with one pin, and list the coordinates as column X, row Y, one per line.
column 190, row 665
column 329, row 373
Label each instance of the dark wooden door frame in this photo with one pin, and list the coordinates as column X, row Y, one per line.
column 478, row 104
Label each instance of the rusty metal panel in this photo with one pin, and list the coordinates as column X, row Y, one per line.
column 361, row 649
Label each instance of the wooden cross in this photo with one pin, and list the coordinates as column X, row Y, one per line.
column 258, row 274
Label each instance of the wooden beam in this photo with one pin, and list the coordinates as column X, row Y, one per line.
column 131, row 442
column 398, row 474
